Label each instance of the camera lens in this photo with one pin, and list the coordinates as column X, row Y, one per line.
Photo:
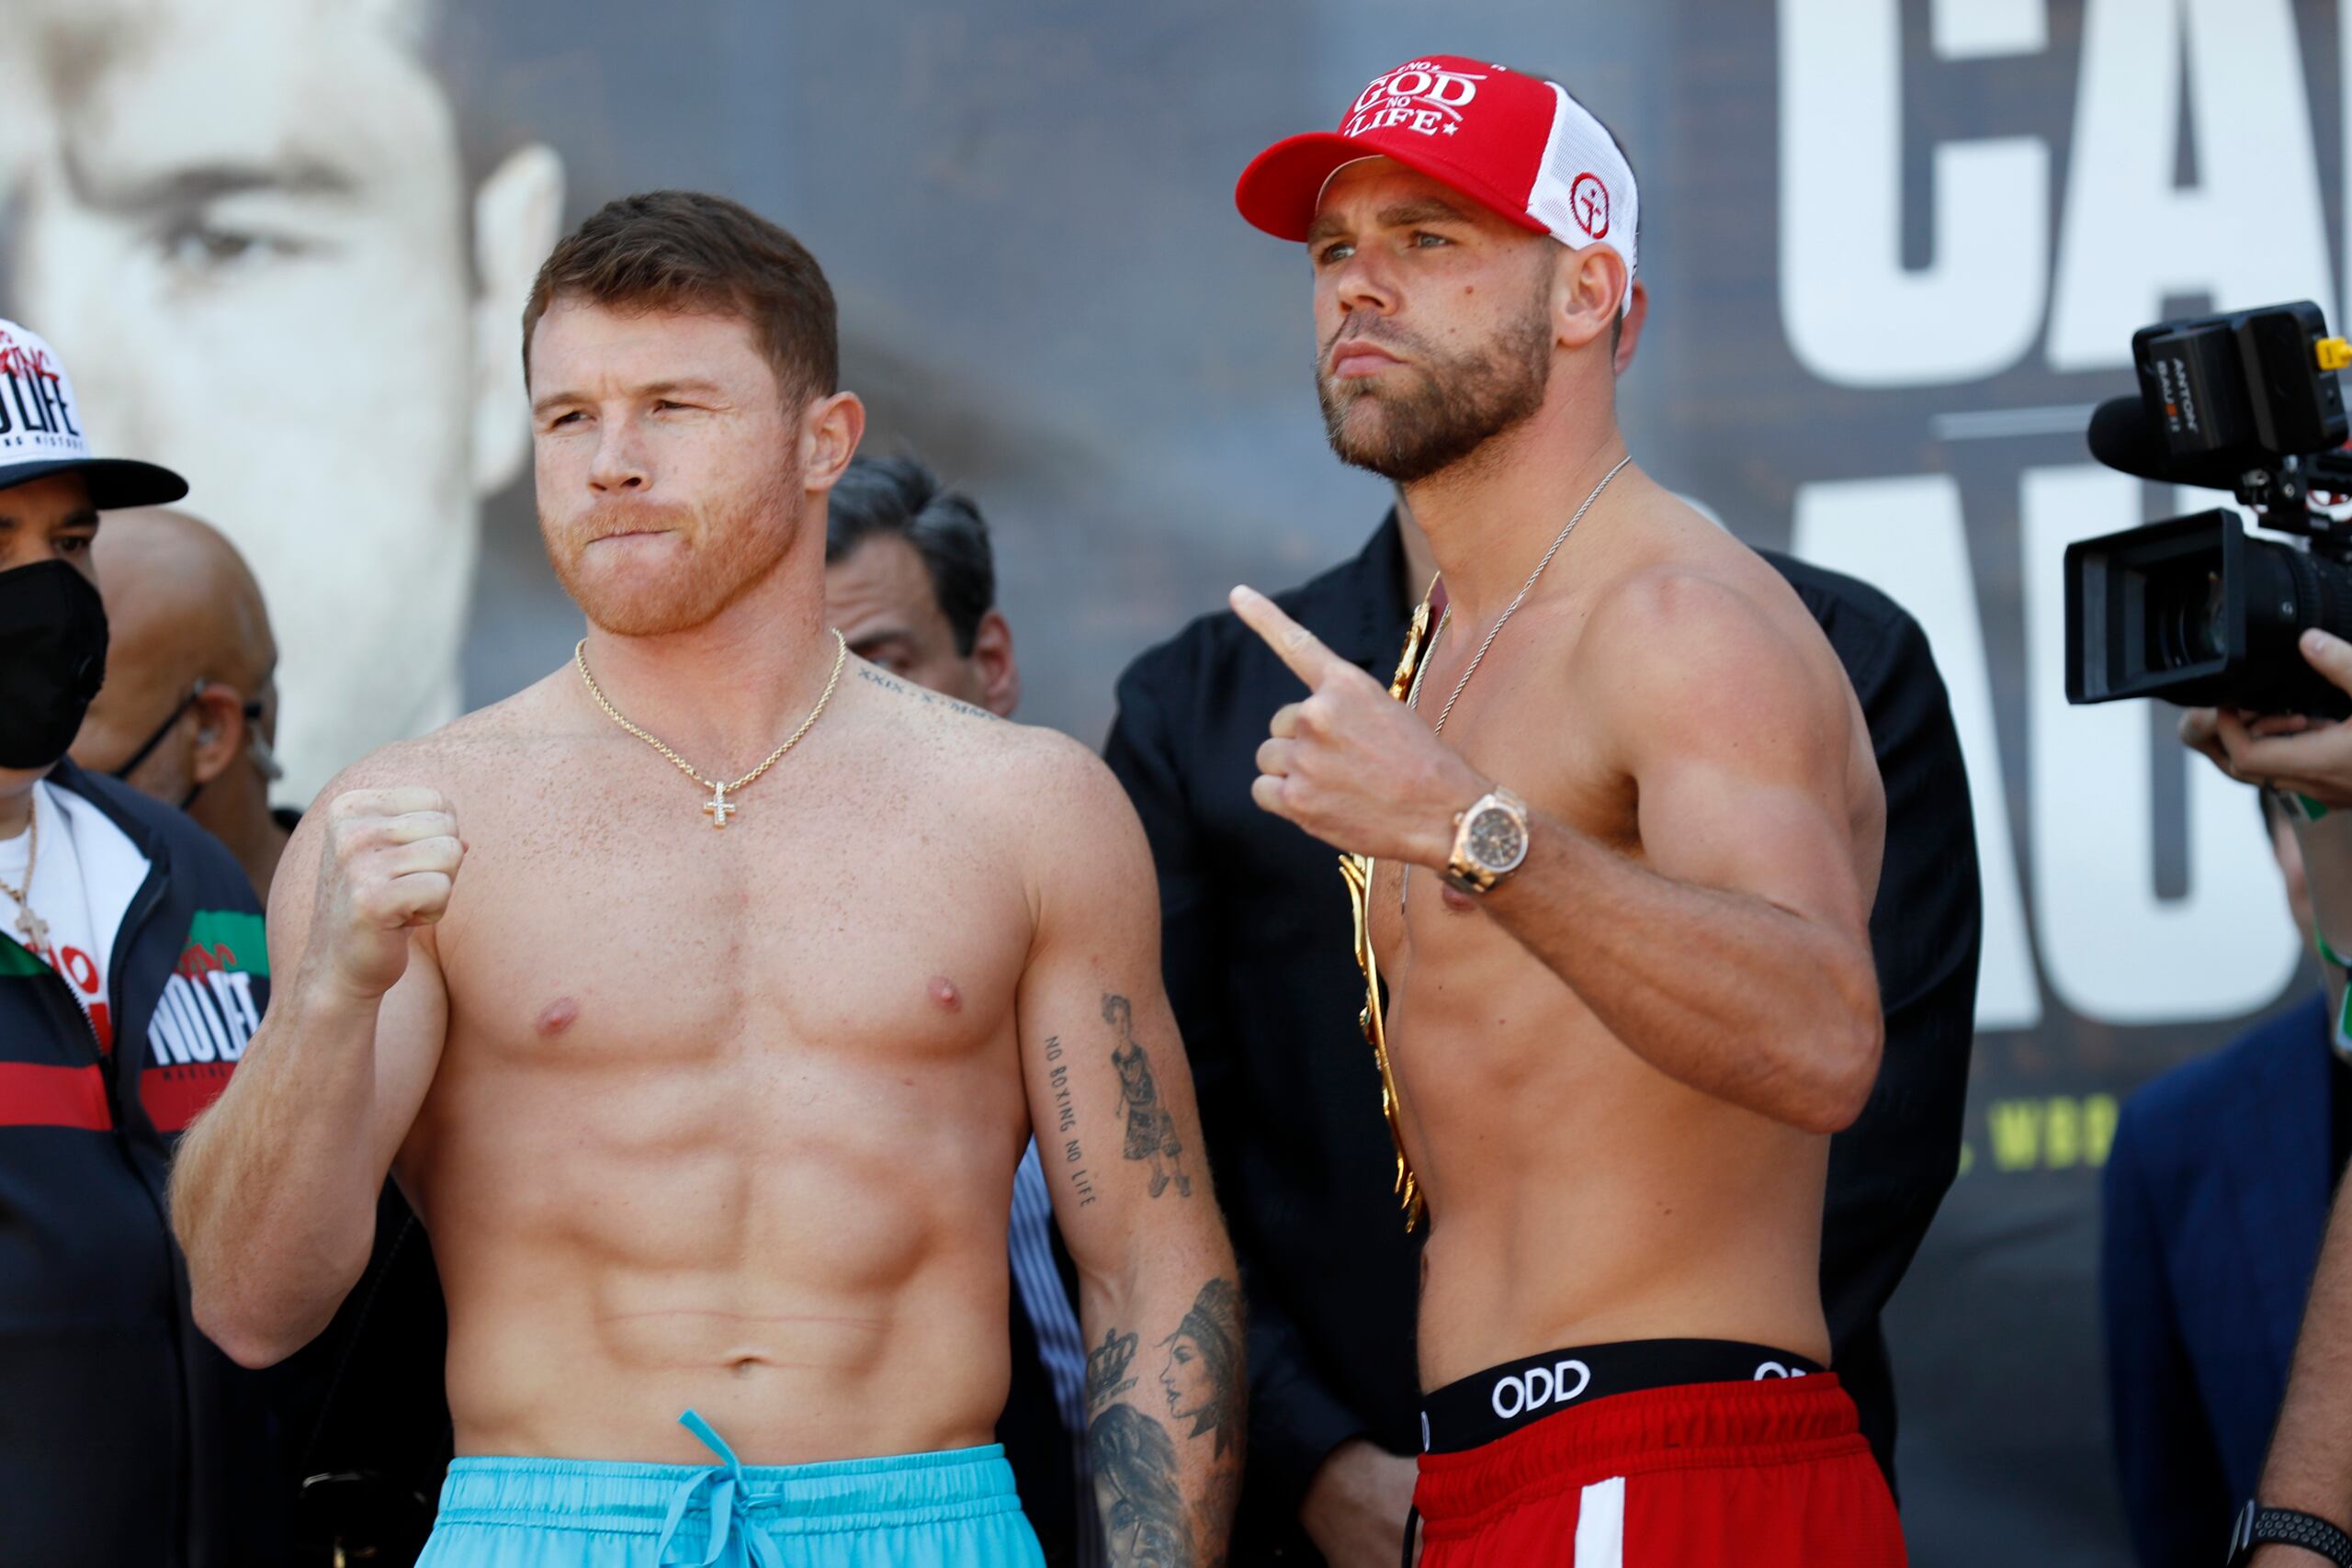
column 2187, row 622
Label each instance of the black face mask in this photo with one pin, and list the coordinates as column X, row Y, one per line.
column 53, row 659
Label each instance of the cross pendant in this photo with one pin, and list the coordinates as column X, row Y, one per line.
column 35, row 928
column 716, row 808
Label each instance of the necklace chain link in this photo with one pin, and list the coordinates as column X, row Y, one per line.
column 1512, row 608
column 1413, row 696
column 720, row 791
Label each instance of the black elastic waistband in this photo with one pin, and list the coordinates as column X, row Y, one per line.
column 1499, row 1400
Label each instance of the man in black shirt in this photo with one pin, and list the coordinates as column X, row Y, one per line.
column 1260, row 967
column 186, row 717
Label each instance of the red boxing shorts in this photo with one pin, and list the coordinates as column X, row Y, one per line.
column 1766, row 1473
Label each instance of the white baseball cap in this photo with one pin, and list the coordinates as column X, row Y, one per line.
column 41, row 431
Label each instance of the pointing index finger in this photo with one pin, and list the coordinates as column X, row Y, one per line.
column 1293, row 644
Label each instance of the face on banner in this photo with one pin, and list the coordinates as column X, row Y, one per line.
column 246, row 225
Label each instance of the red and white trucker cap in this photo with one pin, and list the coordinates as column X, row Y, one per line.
column 42, row 433
column 1515, row 143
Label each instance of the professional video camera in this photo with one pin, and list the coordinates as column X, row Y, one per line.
column 2192, row 609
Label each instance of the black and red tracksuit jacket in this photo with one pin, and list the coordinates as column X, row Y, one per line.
column 125, row 1437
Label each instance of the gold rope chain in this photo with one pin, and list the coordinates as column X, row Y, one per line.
column 717, row 807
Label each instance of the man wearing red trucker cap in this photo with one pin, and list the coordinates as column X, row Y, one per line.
column 1631, row 992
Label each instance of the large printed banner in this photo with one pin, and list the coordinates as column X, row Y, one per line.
column 1972, row 204
column 1897, row 249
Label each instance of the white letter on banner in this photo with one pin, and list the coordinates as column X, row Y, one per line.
column 1854, row 316
column 2249, row 231
column 2113, row 950
column 1983, row 29
column 1905, row 537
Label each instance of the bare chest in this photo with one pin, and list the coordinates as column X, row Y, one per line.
column 601, row 922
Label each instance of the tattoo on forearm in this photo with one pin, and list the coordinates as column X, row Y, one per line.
column 1158, row 1493
column 1134, row 1459
column 1202, row 1375
column 1106, row 1369
column 921, row 694
column 1151, row 1131
column 1081, row 1181
column 1144, row 1522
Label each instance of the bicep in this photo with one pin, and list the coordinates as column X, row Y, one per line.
column 1724, row 829
column 1110, row 1090
column 1742, row 760
column 411, row 1025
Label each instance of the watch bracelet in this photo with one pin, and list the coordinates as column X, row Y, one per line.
column 1477, row 878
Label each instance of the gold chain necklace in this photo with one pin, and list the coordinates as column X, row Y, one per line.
column 34, row 929
column 716, row 807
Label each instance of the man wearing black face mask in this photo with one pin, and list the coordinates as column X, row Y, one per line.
column 132, row 973
column 186, row 716
column 189, row 706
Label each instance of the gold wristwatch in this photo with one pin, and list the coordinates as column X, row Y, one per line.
column 1489, row 841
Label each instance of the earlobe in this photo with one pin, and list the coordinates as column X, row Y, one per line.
column 219, row 733
column 1592, row 286
column 999, row 671
column 836, row 424
column 516, row 213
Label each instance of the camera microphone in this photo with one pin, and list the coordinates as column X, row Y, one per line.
column 2124, row 437
column 2194, row 609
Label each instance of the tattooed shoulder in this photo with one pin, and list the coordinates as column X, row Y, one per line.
column 929, row 698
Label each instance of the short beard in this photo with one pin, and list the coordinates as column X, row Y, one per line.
column 1453, row 407
column 734, row 545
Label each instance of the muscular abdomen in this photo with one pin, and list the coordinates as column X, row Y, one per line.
column 764, row 1175
column 1577, row 1196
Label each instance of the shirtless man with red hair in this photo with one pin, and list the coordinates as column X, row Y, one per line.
column 703, row 996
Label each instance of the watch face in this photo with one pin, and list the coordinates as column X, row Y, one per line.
column 1495, row 841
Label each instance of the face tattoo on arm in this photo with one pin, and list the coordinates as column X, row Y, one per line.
column 1135, row 1466
column 1202, row 1375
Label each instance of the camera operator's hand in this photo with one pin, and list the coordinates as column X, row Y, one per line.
column 2310, row 756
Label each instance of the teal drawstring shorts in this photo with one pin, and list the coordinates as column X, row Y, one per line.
column 957, row 1507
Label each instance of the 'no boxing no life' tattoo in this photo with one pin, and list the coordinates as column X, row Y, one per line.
column 1081, row 1181
column 1151, row 1132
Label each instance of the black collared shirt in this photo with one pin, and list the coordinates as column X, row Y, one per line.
column 1263, row 976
